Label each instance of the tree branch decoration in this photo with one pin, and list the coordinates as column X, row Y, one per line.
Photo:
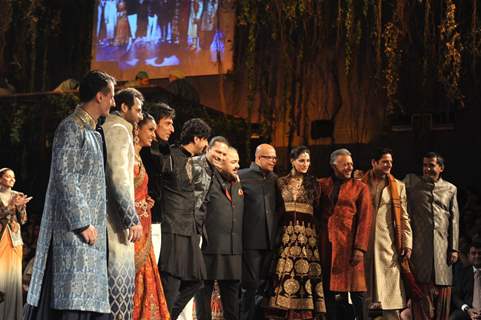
column 391, row 74
column 282, row 49
column 6, row 10
column 450, row 65
column 475, row 43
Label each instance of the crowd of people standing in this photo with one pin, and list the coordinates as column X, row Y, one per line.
column 351, row 245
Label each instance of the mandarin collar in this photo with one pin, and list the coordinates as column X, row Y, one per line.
column 185, row 151
column 85, row 117
column 336, row 179
column 116, row 115
column 258, row 169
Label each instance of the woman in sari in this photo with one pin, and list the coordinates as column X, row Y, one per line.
column 296, row 290
column 12, row 214
column 149, row 299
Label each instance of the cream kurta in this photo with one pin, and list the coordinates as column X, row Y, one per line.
column 383, row 270
column 121, row 214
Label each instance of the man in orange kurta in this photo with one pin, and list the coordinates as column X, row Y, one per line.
column 346, row 218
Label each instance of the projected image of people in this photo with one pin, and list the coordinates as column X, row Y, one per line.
column 158, row 35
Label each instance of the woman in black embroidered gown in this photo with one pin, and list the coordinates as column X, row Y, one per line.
column 296, row 290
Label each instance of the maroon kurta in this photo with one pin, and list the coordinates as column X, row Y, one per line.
column 345, row 225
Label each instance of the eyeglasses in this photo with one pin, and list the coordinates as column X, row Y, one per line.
column 272, row 158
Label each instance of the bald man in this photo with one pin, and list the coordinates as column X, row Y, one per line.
column 223, row 209
column 260, row 225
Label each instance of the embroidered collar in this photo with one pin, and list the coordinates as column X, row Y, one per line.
column 85, row 117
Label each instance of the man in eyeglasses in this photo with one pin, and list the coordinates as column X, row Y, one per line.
column 260, row 224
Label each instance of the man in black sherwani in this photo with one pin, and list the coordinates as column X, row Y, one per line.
column 224, row 208
column 261, row 223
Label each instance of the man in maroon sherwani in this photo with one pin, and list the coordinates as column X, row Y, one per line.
column 346, row 218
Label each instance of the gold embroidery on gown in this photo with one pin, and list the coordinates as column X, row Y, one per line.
column 298, row 268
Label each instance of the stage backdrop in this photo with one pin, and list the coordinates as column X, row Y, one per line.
column 163, row 36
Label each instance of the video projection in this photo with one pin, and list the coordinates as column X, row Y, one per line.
column 160, row 36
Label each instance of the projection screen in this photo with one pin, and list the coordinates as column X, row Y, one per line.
column 160, row 36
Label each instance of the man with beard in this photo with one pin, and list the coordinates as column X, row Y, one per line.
column 345, row 226
column 69, row 279
column 260, row 229
column 435, row 222
column 181, row 263
column 390, row 239
column 123, row 224
column 223, row 207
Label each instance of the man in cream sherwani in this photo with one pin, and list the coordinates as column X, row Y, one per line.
column 123, row 225
column 386, row 292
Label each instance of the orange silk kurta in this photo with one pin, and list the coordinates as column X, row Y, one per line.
column 345, row 225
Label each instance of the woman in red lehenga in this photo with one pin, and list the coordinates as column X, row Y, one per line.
column 149, row 299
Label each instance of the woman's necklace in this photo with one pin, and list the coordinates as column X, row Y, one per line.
column 138, row 159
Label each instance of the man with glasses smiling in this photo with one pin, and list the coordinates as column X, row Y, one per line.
column 260, row 225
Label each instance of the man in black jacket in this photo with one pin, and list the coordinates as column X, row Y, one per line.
column 152, row 157
column 261, row 222
column 181, row 263
column 224, row 208
column 467, row 287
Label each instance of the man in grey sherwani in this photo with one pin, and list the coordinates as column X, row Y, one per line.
column 435, row 223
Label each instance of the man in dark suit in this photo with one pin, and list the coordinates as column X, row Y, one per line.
column 224, row 208
column 261, row 223
column 181, row 264
column 152, row 157
column 467, row 287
